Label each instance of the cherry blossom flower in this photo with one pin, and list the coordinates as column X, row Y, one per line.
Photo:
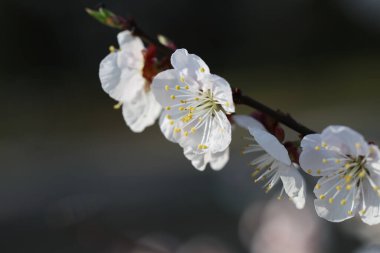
column 196, row 105
column 274, row 164
column 350, row 174
column 122, row 77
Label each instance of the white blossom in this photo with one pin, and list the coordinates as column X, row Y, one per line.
column 350, row 174
column 274, row 164
column 121, row 76
column 196, row 105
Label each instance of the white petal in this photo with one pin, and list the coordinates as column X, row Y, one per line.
column 334, row 211
column 199, row 161
column 320, row 162
column 167, row 129
column 311, row 141
column 131, row 44
column 189, row 64
column 374, row 153
column 130, row 61
column 247, row 122
column 215, row 133
column 346, row 140
column 219, row 160
column 122, row 84
column 141, row 112
column 165, row 86
column 271, row 145
column 371, row 205
column 294, row 184
column 221, row 90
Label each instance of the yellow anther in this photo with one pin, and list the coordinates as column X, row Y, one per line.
column 167, row 87
column 183, row 101
column 202, row 70
column 118, row 105
column 186, row 133
column 186, row 87
column 324, row 160
column 168, row 108
column 181, row 108
column 193, row 129
column 172, row 97
column 322, row 196
column 343, row 202
column 348, row 187
column 191, row 109
column 200, row 119
column 227, row 104
column 347, row 165
column 317, row 186
column 337, row 161
column 348, row 178
column 171, row 122
column 187, row 118
column 324, row 144
column 182, row 79
column 362, row 212
column 358, row 145
column 177, row 130
column 112, row 49
column 362, row 174
column 177, row 87
column 257, row 171
column 196, row 99
column 331, row 200
column 317, row 148
column 318, row 171
column 168, row 116
column 338, row 187
column 309, row 171
column 349, row 212
column 202, row 146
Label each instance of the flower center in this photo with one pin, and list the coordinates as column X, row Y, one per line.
column 195, row 108
column 349, row 178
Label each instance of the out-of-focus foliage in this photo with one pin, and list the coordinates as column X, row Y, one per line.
column 107, row 17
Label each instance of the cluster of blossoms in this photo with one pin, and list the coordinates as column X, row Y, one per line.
column 194, row 107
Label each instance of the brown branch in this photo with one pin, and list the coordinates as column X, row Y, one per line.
column 283, row 118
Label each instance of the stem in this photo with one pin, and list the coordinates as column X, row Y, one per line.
column 131, row 25
column 283, row 118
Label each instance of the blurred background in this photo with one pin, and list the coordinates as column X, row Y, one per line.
column 74, row 178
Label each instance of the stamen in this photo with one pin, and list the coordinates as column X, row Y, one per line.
column 112, row 49
column 118, row 106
